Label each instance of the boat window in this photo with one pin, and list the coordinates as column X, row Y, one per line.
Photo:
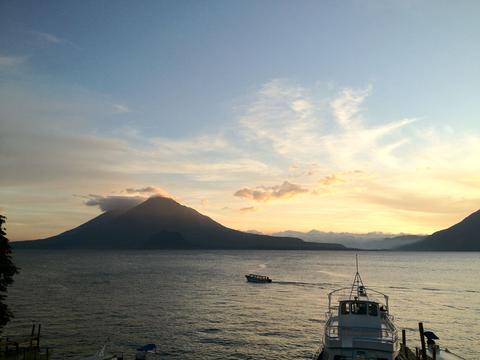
column 372, row 309
column 359, row 308
column 345, row 308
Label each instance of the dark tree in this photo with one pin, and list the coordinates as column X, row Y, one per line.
column 7, row 271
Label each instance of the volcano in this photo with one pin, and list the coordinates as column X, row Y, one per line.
column 163, row 223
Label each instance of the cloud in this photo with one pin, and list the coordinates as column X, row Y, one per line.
column 400, row 198
column 282, row 116
column 330, row 179
column 51, row 145
column 346, row 106
column 47, row 38
column 148, row 190
column 114, row 202
column 294, row 124
column 11, row 61
column 120, row 109
column 50, row 38
column 248, row 209
column 267, row 193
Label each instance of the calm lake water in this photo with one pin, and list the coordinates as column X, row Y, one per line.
column 197, row 304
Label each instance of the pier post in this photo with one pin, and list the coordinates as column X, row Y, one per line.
column 31, row 335
column 422, row 341
column 404, row 342
column 38, row 336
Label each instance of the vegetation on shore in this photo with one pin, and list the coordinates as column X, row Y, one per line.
column 7, row 271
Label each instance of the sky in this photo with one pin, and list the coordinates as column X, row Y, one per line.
column 353, row 116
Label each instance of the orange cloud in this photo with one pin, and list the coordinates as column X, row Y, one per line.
column 329, row 180
column 148, row 190
column 267, row 193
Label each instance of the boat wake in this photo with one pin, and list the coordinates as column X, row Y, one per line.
column 300, row 283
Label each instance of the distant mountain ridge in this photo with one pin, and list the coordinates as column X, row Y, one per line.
column 463, row 236
column 162, row 223
column 367, row 241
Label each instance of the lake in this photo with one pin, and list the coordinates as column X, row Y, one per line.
column 197, row 304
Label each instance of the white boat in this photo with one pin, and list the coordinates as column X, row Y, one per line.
column 359, row 325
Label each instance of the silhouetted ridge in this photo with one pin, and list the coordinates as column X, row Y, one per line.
column 163, row 223
column 464, row 236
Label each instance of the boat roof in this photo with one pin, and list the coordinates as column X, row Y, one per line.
column 357, row 292
column 257, row 275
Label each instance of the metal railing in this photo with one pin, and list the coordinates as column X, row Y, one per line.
column 384, row 335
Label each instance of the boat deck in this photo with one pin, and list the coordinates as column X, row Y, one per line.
column 383, row 338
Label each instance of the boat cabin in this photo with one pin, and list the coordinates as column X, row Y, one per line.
column 360, row 313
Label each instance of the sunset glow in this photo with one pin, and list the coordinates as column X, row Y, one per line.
column 257, row 142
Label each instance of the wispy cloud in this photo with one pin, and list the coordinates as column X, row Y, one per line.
column 282, row 117
column 290, row 121
column 346, row 107
column 50, row 39
column 120, row 109
column 11, row 61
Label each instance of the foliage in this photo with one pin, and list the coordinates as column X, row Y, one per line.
column 7, row 271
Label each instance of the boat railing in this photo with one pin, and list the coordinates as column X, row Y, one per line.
column 335, row 296
column 332, row 332
column 389, row 320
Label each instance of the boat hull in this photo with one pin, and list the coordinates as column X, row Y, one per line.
column 258, row 279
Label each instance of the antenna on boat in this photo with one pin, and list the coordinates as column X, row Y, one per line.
column 357, row 283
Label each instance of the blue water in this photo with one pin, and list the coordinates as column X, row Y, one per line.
column 197, row 304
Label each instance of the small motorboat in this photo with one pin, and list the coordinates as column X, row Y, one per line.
column 258, row 278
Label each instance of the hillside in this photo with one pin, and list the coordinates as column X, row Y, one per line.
column 464, row 236
column 162, row 223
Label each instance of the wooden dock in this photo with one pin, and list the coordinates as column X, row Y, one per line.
column 24, row 348
column 420, row 353
column 407, row 354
